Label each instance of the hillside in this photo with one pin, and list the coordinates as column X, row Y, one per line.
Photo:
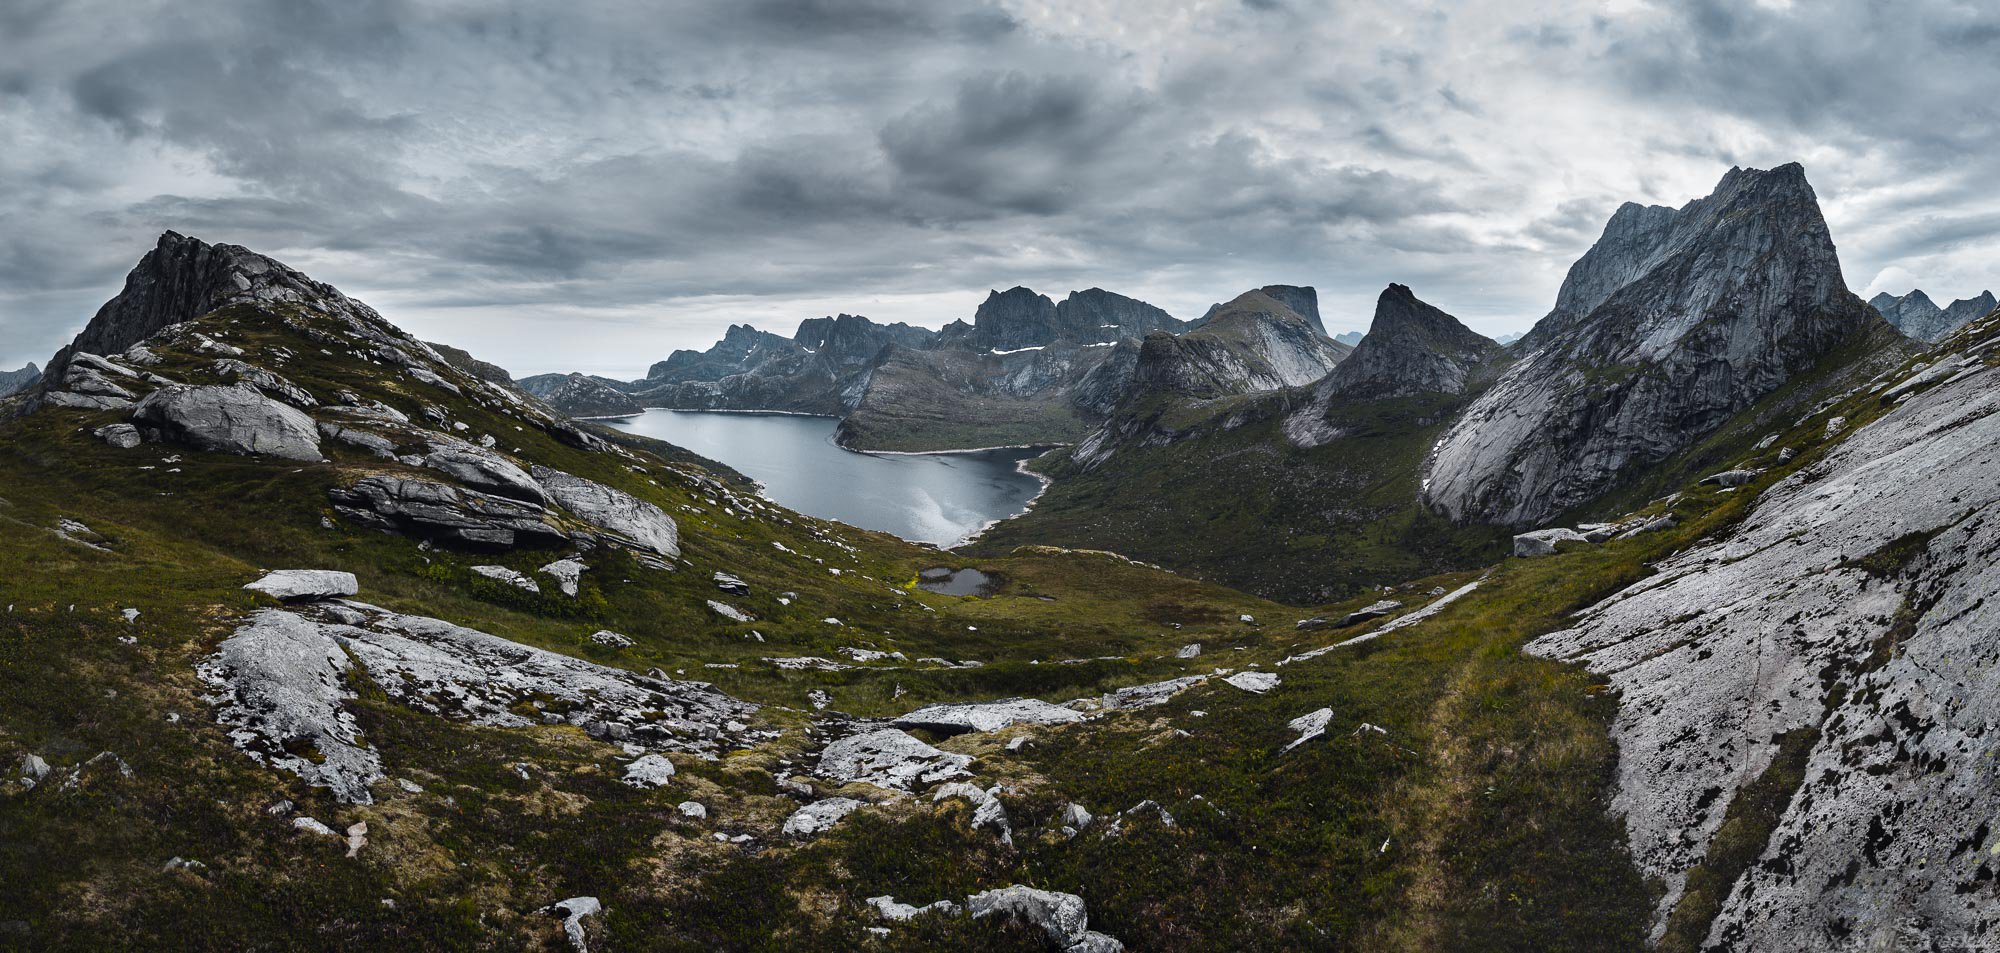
column 728, row 738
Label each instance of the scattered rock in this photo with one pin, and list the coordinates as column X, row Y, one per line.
column 510, row 577
column 1365, row 613
column 1731, row 477
column 1061, row 915
column 444, row 513
column 312, row 826
column 572, row 912
column 732, row 585
column 889, row 909
column 650, row 771
column 692, row 809
column 1255, row 682
column 357, row 837
column 566, row 573
column 606, row 637
column 1150, row 694
column 121, row 436
column 730, row 612
column 291, row 585
column 820, row 816
column 1309, row 726
column 987, row 810
column 1542, row 542
column 1190, row 650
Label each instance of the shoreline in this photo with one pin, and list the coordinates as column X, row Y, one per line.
column 1020, row 466
column 732, row 410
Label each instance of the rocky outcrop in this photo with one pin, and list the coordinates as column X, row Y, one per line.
column 850, row 342
column 1838, row 641
column 235, row 419
column 1094, row 315
column 820, row 816
column 612, row 510
column 579, row 395
column 1299, row 299
column 1916, row 315
column 1062, row 916
column 952, row 719
column 444, row 513
column 1673, row 322
column 1006, row 321
column 889, row 758
column 464, row 361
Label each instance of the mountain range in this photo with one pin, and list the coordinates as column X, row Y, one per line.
column 1917, row 316
column 1635, row 634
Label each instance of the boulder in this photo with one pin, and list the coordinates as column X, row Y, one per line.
column 572, row 912
column 649, row 771
column 1365, row 613
column 265, row 381
column 889, row 758
column 732, row 585
column 1542, row 542
column 302, row 584
column 444, row 513
column 887, row 907
column 566, row 573
column 483, row 470
column 952, row 719
column 1060, row 915
column 613, row 511
column 234, row 419
column 1257, row 683
column 730, row 612
column 693, row 809
column 987, row 811
column 1309, row 726
column 611, row 639
column 367, row 440
column 1190, row 650
column 1151, row 693
column 820, row 816
column 121, row 436
column 1730, row 477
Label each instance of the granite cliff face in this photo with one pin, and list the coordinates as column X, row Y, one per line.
column 1301, row 300
column 1832, row 655
column 1916, row 315
column 1673, row 322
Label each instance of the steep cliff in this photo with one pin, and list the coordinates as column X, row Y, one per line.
column 1916, row 315
column 1411, row 348
column 1673, row 322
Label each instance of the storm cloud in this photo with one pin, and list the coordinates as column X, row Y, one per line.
column 588, row 186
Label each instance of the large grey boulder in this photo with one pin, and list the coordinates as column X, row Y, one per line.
column 444, row 513
column 265, row 381
column 889, row 758
column 820, row 816
column 952, row 719
column 233, row 419
column 295, row 584
column 611, row 510
column 121, row 436
column 1060, row 915
column 1542, row 542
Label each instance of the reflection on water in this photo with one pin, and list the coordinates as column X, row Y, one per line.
column 933, row 498
column 947, row 582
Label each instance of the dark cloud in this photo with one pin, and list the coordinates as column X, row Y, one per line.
column 583, row 185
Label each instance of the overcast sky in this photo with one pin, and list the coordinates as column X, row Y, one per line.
column 586, row 186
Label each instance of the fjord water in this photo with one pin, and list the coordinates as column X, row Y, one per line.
column 933, row 498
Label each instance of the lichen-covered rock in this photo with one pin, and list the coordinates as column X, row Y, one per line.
column 1852, row 608
column 1151, row 693
column 612, row 510
column 566, row 572
column 121, row 436
column 610, row 639
column 266, row 381
column 888, row 909
column 1373, row 610
column 280, row 687
column 890, row 758
column 293, row 584
column 234, row 419
column 732, row 585
column 1309, row 726
column 820, row 816
column 482, row 470
column 730, row 612
column 987, row 811
column 1256, row 683
column 572, row 912
column 444, row 513
column 952, row 719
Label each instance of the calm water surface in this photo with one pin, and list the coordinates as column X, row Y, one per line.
column 933, row 498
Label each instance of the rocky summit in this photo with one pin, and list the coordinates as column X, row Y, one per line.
column 1916, row 315
column 1674, row 321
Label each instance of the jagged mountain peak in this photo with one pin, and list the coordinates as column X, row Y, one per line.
column 1673, row 322
column 1300, row 300
column 1412, row 347
column 1918, row 316
column 182, row 278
